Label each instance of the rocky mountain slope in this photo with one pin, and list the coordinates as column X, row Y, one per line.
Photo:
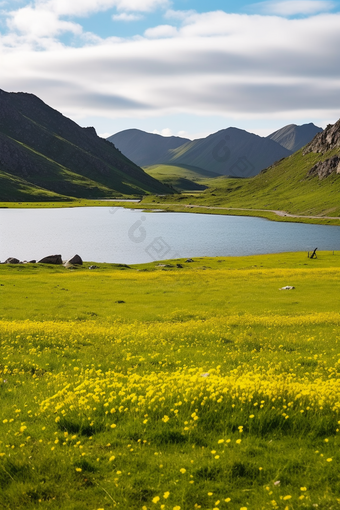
column 323, row 143
column 45, row 153
column 325, row 168
column 327, row 140
column 294, row 137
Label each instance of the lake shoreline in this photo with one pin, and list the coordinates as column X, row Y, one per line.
column 130, row 235
column 270, row 214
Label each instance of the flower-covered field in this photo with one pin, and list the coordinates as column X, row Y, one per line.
column 187, row 407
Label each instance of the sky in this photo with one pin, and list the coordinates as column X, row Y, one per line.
column 176, row 67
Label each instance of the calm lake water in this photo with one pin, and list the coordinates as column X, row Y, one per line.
column 112, row 234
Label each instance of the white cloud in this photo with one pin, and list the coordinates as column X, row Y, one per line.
column 166, row 132
column 161, row 31
column 183, row 134
column 43, row 17
column 40, row 23
column 141, row 5
column 239, row 66
column 86, row 7
column 74, row 7
column 104, row 135
column 180, row 15
column 163, row 132
column 124, row 16
column 293, row 7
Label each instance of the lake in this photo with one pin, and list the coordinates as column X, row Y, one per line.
column 115, row 234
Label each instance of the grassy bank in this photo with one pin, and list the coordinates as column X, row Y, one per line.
column 152, row 387
column 69, row 203
column 183, row 204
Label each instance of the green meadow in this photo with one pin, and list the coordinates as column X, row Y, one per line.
column 158, row 387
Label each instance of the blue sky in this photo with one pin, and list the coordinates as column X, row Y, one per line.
column 103, row 24
column 180, row 67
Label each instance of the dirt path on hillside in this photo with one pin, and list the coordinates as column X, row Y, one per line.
column 278, row 213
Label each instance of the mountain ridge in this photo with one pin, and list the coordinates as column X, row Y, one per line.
column 307, row 183
column 294, row 137
column 146, row 148
column 50, row 151
column 232, row 151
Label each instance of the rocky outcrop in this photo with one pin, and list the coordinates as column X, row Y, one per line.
column 12, row 260
column 51, row 259
column 325, row 168
column 322, row 143
column 327, row 140
column 75, row 261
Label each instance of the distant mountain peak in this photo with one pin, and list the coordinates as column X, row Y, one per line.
column 145, row 149
column 294, row 137
column 230, row 151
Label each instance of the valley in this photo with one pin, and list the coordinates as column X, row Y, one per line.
column 169, row 255
column 46, row 160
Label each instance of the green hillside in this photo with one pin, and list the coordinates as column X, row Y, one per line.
column 181, row 178
column 14, row 188
column 285, row 186
column 52, row 154
column 54, row 176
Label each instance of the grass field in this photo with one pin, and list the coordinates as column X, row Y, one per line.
column 152, row 387
column 182, row 178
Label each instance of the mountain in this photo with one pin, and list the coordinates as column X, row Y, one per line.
column 145, row 149
column 294, row 137
column 46, row 155
column 231, row 151
column 305, row 183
